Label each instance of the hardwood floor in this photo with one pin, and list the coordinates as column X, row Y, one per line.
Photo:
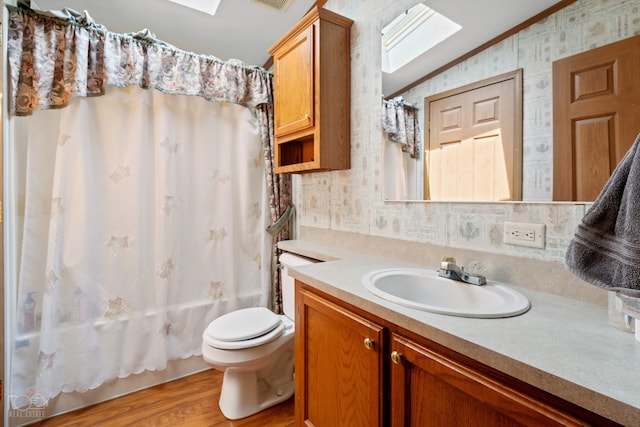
column 187, row 402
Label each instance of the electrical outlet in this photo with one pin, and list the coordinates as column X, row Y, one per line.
column 524, row 234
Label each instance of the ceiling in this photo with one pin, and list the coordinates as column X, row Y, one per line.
column 241, row 29
column 244, row 30
column 481, row 22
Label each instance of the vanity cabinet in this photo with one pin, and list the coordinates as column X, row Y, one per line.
column 339, row 358
column 311, row 67
column 431, row 389
column 356, row 369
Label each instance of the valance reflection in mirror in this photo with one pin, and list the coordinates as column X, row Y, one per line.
column 403, row 148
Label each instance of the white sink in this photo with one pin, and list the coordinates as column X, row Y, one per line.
column 423, row 289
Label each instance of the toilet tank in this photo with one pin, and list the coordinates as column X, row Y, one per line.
column 290, row 260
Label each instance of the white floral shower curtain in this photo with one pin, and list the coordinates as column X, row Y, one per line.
column 154, row 209
column 144, row 213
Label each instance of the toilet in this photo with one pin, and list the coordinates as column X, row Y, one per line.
column 254, row 348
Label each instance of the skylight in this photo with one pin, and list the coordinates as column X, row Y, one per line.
column 412, row 34
column 206, row 6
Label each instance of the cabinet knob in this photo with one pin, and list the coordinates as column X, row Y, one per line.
column 395, row 357
column 368, row 343
column 307, row 117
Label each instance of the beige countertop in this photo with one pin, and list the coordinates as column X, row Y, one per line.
column 563, row 346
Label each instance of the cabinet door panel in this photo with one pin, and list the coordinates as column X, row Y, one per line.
column 428, row 389
column 293, row 84
column 338, row 377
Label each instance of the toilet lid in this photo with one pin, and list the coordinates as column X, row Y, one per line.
column 234, row 329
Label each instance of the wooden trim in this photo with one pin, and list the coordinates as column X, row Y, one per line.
column 267, row 65
column 319, row 3
column 516, row 74
column 539, row 17
column 315, row 14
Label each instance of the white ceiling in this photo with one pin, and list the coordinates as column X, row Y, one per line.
column 240, row 29
column 481, row 20
column 244, row 30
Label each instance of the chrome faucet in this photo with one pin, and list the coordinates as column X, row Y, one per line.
column 452, row 271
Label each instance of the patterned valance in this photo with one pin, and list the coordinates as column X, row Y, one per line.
column 54, row 57
column 400, row 123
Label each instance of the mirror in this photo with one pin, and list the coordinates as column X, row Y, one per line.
column 471, row 149
column 404, row 177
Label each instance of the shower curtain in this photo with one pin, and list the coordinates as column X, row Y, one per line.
column 144, row 212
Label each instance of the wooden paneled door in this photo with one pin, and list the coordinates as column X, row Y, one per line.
column 475, row 142
column 596, row 117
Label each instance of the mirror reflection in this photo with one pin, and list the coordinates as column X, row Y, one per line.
column 472, row 146
column 511, row 157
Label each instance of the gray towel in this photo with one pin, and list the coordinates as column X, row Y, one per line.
column 605, row 250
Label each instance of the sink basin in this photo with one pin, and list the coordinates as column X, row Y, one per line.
column 423, row 289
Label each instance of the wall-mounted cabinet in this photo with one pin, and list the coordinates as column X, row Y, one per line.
column 312, row 94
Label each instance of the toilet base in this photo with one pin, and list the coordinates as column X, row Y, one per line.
column 246, row 393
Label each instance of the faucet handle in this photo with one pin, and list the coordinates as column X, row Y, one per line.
column 450, row 270
column 446, row 261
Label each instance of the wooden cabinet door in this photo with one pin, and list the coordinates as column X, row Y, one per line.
column 338, row 374
column 294, row 84
column 596, row 117
column 428, row 389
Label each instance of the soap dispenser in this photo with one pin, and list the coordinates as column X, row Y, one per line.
column 617, row 315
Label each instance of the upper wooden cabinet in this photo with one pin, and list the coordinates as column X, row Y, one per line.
column 312, row 94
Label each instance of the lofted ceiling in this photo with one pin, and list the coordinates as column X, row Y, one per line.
column 481, row 20
column 243, row 29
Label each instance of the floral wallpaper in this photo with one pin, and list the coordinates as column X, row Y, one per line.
column 351, row 200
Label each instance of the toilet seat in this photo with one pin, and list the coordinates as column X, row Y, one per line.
column 245, row 328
